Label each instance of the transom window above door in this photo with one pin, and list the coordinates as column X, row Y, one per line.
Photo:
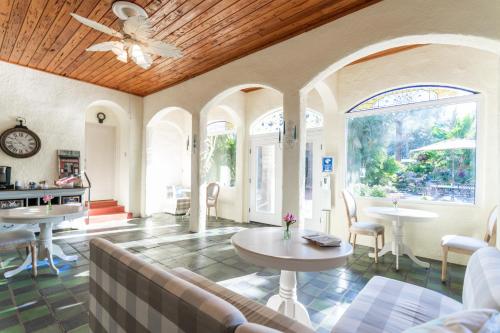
column 418, row 141
column 272, row 121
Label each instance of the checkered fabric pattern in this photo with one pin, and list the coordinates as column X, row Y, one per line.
column 183, row 205
column 177, row 205
column 253, row 311
column 482, row 280
column 387, row 305
column 129, row 295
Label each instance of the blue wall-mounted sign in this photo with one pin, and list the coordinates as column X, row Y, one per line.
column 327, row 164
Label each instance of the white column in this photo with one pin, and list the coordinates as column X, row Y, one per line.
column 197, row 220
column 294, row 146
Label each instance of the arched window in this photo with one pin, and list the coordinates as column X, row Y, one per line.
column 410, row 95
column 272, row 122
column 418, row 141
column 221, row 153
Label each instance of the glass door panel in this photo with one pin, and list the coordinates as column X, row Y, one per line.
column 265, row 179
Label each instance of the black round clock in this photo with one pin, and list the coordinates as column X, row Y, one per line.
column 20, row 142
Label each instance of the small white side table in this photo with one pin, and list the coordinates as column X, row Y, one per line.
column 400, row 216
column 45, row 218
column 266, row 247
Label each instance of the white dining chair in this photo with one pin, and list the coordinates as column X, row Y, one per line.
column 212, row 198
column 361, row 227
column 467, row 245
column 20, row 238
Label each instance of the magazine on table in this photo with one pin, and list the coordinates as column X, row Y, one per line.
column 323, row 240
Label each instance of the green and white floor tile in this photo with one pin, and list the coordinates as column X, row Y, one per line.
column 60, row 303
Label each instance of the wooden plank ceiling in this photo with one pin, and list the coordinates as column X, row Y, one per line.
column 41, row 34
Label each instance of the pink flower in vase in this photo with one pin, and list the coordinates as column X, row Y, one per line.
column 47, row 198
column 289, row 219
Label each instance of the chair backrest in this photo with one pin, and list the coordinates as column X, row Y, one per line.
column 212, row 192
column 482, row 280
column 492, row 224
column 350, row 207
column 129, row 295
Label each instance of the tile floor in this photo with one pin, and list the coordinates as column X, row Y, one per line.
column 59, row 303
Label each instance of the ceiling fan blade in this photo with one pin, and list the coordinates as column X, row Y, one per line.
column 107, row 46
column 163, row 49
column 138, row 27
column 97, row 26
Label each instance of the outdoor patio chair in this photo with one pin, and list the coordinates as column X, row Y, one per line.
column 467, row 245
column 358, row 227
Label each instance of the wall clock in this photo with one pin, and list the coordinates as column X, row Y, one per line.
column 20, row 142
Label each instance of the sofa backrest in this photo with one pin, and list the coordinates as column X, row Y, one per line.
column 129, row 295
column 482, row 280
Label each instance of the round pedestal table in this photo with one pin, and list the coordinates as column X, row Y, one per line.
column 266, row 247
column 400, row 216
column 45, row 218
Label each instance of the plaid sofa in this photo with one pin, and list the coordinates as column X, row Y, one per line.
column 386, row 305
column 129, row 295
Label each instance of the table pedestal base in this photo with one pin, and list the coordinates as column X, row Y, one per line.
column 398, row 247
column 286, row 301
column 46, row 251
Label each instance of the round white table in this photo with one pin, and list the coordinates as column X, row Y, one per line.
column 400, row 216
column 45, row 218
column 266, row 247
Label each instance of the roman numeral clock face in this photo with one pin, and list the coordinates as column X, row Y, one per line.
column 20, row 142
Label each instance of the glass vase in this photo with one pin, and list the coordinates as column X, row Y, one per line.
column 287, row 233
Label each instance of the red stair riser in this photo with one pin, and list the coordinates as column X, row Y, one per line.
column 107, row 210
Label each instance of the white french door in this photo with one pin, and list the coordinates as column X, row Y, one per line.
column 311, row 204
column 266, row 161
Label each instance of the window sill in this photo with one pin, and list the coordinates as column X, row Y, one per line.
column 418, row 202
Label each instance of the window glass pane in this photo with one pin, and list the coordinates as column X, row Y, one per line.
column 427, row 154
column 409, row 95
column 266, row 176
column 221, row 153
column 308, row 193
column 272, row 122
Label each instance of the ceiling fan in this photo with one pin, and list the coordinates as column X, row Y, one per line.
column 135, row 41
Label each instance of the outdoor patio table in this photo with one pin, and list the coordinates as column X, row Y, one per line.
column 266, row 247
column 400, row 216
column 45, row 218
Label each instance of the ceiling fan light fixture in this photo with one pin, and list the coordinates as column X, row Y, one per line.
column 122, row 56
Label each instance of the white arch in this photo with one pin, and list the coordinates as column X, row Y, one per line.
column 481, row 43
column 122, row 159
column 154, row 187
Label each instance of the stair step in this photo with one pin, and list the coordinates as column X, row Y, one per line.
column 109, row 218
column 107, row 210
column 102, row 203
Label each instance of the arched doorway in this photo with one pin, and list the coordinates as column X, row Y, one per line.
column 266, row 141
column 168, row 161
column 106, row 152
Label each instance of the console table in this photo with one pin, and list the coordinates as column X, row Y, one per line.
column 28, row 198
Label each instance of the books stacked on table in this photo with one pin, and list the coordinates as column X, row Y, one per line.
column 323, row 240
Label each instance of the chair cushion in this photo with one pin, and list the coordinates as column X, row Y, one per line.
column 463, row 242
column 254, row 312
column 386, row 305
column 15, row 237
column 482, row 280
column 468, row 321
column 367, row 227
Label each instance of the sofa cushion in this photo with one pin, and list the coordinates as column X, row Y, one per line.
column 254, row 312
column 482, row 280
column 129, row 295
column 467, row 321
column 386, row 305
column 255, row 328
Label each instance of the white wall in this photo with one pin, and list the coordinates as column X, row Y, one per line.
column 450, row 65
column 54, row 108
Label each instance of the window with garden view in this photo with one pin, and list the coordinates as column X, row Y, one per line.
column 418, row 141
column 220, row 161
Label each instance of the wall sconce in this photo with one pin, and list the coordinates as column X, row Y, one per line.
column 195, row 143
column 290, row 138
column 187, row 144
